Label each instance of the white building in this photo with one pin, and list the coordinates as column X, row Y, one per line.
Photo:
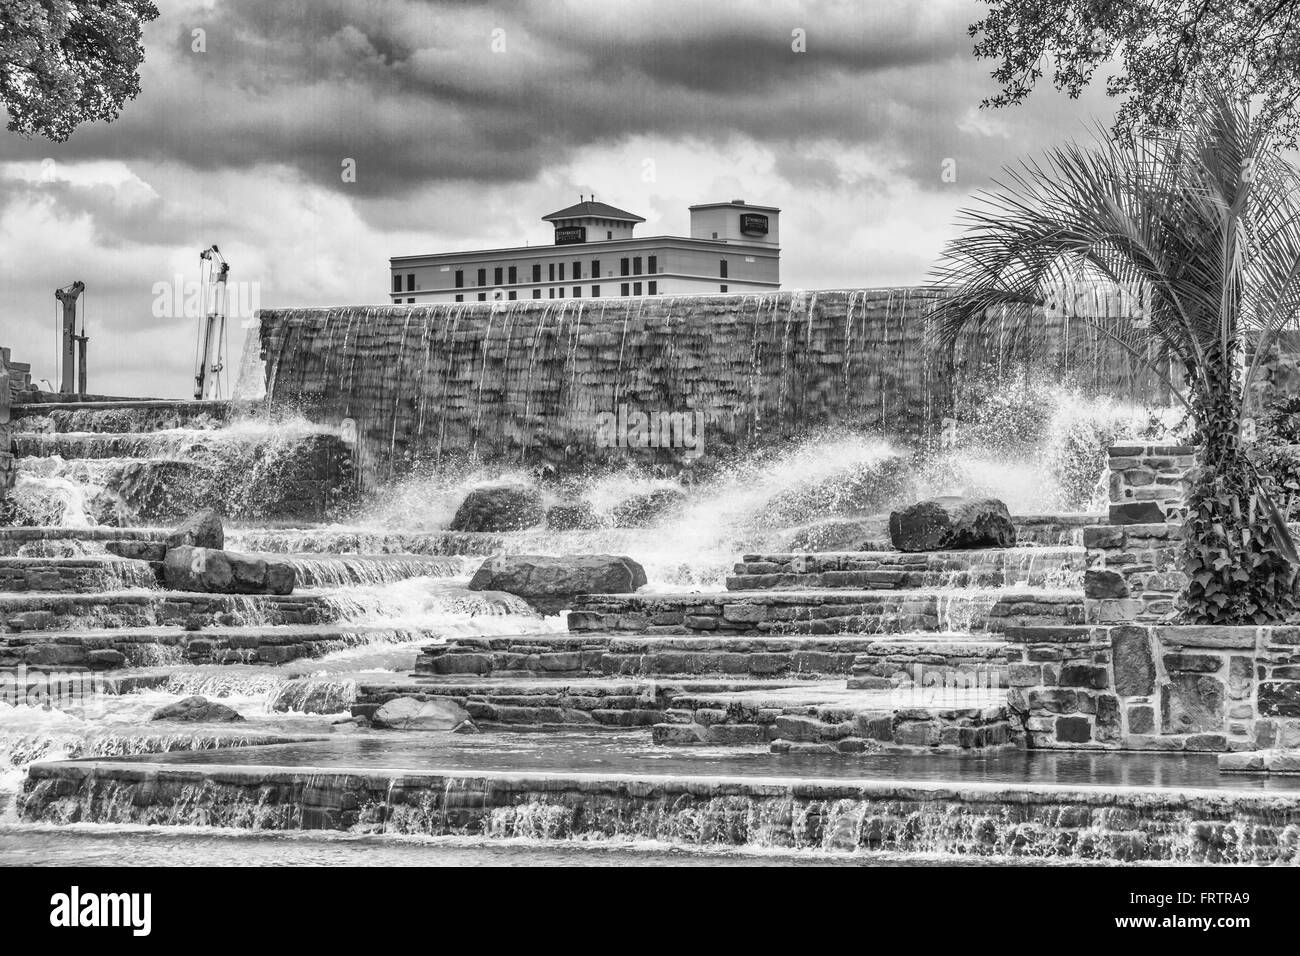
column 733, row 247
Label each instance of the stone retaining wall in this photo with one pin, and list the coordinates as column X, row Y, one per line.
column 603, row 655
column 822, row 612
column 1148, row 482
column 891, row 570
column 1152, row 687
column 7, row 383
column 526, row 380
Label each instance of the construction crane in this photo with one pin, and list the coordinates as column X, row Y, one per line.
column 210, row 349
column 72, row 343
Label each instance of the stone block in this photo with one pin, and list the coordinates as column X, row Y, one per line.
column 1191, row 703
column 1141, row 719
column 1101, row 583
column 1073, row 730
column 1132, row 661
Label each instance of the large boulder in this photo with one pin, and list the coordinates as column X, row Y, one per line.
column 499, row 508
column 943, row 524
column 202, row 529
column 226, row 572
column 575, row 516
column 549, row 583
column 411, row 713
column 643, row 510
column 197, row 710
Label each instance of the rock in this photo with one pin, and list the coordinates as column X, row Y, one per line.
column 200, row 530
column 410, row 713
column 1192, row 704
column 226, row 572
column 1279, row 698
column 196, row 710
column 1100, row 583
column 578, row 516
column 942, row 524
column 641, row 511
column 499, row 508
column 1133, row 663
column 1141, row 720
column 1136, row 512
column 549, row 583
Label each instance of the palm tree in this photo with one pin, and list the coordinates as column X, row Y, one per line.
column 1205, row 221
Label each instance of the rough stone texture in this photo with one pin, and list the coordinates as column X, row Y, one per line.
column 549, row 583
column 579, row 516
column 644, row 510
column 6, row 433
column 499, row 508
column 197, row 710
column 1133, row 571
column 1134, row 667
column 1148, row 482
column 200, row 530
column 226, row 572
column 1190, row 703
column 410, row 713
column 953, row 522
column 523, row 380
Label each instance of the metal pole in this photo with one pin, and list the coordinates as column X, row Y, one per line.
column 81, row 363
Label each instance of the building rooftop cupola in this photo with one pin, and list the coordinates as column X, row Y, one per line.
column 591, row 221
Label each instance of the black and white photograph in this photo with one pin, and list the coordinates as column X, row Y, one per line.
column 650, row 434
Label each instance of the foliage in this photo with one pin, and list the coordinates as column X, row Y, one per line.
column 1276, row 456
column 68, row 62
column 1203, row 219
column 1160, row 49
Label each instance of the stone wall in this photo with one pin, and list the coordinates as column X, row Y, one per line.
column 1133, row 562
column 527, row 380
column 1150, row 687
column 1148, row 482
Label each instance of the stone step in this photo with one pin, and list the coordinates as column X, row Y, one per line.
column 69, row 575
column 23, row 613
column 607, row 702
column 70, row 542
column 124, row 415
column 109, row 649
column 624, row 655
column 895, row 570
column 829, row 611
column 827, row 718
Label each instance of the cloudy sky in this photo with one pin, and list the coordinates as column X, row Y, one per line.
column 467, row 122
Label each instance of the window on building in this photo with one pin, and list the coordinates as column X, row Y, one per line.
column 652, row 288
column 722, row 288
column 652, row 265
column 623, row 267
column 511, row 294
column 609, row 233
column 595, row 268
column 498, row 275
column 410, row 282
column 537, row 293
column 514, row 275
column 636, row 266
column 482, row 296
column 550, row 293
column 537, row 273
column 397, row 283
column 577, row 271
column 460, row 298
column 636, row 288
column 410, row 302
column 715, row 235
column 622, row 289
column 595, row 291
column 577, row 292
column 482, row 278
column 722, row 268
column 460, row 278
column 561, row 274
column 550, row 271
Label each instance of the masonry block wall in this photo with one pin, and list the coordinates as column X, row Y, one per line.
column 526, row 381
column 1150, row 687
column 1133, row 562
